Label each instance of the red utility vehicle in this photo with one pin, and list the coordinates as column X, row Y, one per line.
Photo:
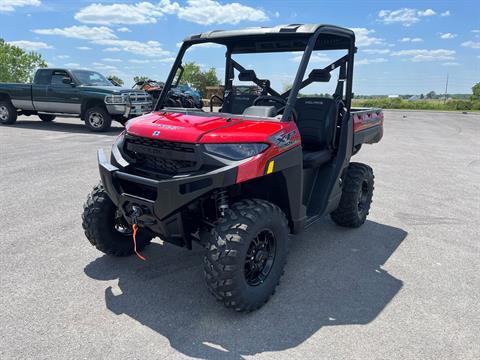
column 240, row 180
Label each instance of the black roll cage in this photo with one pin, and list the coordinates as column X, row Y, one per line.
column 322, row 37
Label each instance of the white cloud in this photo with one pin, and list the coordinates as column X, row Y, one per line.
column 370, row 61
column 111, row 60
column 315, row 58
column 112, row 49
column 407, row 39
column 363, row 37
column 80, row 32
column 471, row 44
column 208, row 12
column 149, row 48
column 30, row 45
column 124, row 29
column 135, row 61
column 63, row 56
column 405, row 16
column 447, row 36
column 428, row 12
column 418, row 55
column 166, row 60
column 102, row 66
column 203, row 12
column 376, row 51
column 477, row 31
column 445, row 13
column 10, row 5
column 451, row 64
column 72, row 65
column 140, row 13
column 84, row 48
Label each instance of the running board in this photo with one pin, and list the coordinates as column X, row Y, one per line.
column 59, row 114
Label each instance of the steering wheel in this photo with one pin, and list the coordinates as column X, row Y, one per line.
column 278, row 100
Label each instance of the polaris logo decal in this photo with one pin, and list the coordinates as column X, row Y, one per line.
column 156, row 133
column 168, row 127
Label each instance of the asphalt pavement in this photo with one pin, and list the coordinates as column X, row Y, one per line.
column 406, row 285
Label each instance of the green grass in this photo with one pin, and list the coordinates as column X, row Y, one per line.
column 449, row 105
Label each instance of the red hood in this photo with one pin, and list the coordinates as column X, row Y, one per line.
column 201, row 129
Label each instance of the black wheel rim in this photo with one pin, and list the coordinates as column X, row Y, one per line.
column 121, row 225
column 260, row 258
column 363, row 198
column 4, row 115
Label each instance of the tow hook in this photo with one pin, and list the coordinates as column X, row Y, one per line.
column 136, row 213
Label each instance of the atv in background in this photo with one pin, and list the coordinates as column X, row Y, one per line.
column 179, row 96
column 240, row 180
column 188, row 96
column 154, row 88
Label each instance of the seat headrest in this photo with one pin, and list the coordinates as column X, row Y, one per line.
column 260, row 111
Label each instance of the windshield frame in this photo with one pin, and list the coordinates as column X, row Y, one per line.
column 292, row 94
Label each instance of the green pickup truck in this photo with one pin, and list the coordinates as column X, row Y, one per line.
column 72, row 93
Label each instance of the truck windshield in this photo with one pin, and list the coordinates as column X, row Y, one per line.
column 91, row 78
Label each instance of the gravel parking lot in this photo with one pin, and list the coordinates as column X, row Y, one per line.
column 404, row 286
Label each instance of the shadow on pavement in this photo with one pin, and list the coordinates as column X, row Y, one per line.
column 334, row 277
column 57, row 125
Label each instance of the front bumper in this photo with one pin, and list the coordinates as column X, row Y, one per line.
column 130, row 109
column 161, row 209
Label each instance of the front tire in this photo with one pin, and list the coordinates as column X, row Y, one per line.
column 247, row 252
column 46, row 117
column 8, row 113
column 356, row 197
column 98, row 119
column 106, row 229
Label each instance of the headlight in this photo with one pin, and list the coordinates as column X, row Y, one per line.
column 116, row 99
column 236, row 151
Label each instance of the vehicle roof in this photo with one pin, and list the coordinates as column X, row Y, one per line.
column 292, row 37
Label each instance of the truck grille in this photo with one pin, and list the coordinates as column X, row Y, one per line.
column 139, row 97
column 159, row 156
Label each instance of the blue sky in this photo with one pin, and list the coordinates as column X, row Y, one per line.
column 404, row 46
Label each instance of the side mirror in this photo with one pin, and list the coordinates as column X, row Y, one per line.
column 320, row 75
column 68, row 81
column 247, row 75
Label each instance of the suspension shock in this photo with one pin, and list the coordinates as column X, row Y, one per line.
column 221, row 199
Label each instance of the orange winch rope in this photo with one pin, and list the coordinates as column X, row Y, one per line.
column 135, row 228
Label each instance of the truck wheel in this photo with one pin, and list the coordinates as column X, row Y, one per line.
column 46, row 117
column 247, row 252
column 105, row 227
column 98, row 119
column 8, row 113
column 356, row 196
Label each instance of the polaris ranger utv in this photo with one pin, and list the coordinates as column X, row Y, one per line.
column 240, row 180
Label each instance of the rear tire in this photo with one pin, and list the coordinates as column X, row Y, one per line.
column 98, row 119
column 247, row 252
column 356, row 197
column 106, row 229
column 46, row 117
column 8, row 113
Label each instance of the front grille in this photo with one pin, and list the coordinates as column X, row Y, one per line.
column 139, row 97
column 159, row 156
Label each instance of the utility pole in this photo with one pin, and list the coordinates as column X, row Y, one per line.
column 446, row 90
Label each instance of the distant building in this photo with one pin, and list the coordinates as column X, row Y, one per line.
column 393, row 96
column 414, row 98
